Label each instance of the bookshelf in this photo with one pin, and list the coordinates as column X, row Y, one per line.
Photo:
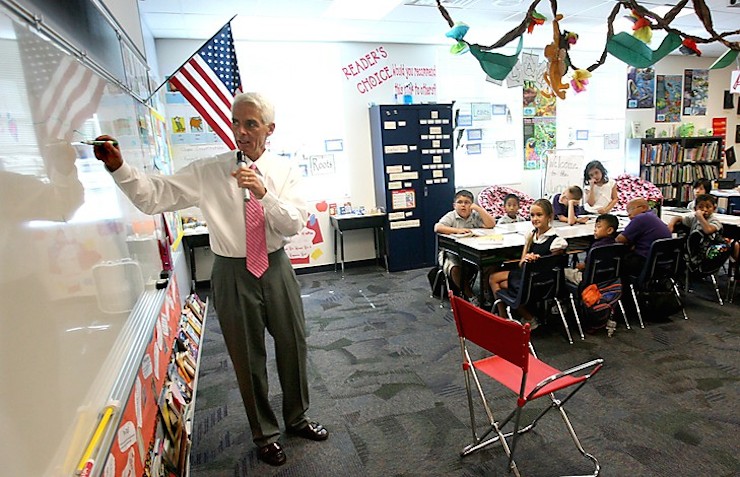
column 674, row 163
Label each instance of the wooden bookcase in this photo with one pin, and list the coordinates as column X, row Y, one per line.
column 674, row 163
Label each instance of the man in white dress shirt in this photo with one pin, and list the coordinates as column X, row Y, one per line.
column 246, row 305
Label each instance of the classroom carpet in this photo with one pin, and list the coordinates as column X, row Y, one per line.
column 385, row 379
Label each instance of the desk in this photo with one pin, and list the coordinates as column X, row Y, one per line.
column 504, row 242
column 342, row 223
column 192, row 239
column 728, row 199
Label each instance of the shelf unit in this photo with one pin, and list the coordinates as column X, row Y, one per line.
column 674, row 163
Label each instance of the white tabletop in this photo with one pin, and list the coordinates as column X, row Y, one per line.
column 670, row 212
column 512, row 235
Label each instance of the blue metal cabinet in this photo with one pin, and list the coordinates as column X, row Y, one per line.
column 414, row 177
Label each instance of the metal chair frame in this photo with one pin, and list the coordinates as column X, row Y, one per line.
column 711, row 273
column 514, row 364
column 662, row 263
column 602, row 264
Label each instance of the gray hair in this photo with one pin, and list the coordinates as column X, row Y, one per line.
column 260, row 102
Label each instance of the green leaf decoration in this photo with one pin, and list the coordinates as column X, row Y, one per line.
column 496, row 65
column 725, row 60
column 636, row 53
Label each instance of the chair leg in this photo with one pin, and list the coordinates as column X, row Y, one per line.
column 624, row 315
column 732, row 270
column 637, row 306
column 678, row 297
column 575, row 313
column 565, row 323
column 514, row 438
column 508, row 312
column 716, row 289
column 577, row 442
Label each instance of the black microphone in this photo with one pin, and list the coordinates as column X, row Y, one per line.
column 242, row 165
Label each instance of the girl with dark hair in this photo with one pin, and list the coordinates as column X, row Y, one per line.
column 602, row 193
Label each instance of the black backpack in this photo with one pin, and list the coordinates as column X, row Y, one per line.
column 705, row 254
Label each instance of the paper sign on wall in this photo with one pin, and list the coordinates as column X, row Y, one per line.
column 403, row 199
column 735, row 82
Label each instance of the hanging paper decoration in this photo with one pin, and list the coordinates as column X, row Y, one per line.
column 580, row 80
column 725, row 60
column 642, row 27
column 688, row 47
column 534, row 20
column 458, row 31
column 496, row 65
column 630, row 48
column 636, row 53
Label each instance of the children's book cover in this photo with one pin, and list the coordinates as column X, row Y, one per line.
column 668, row 98
column 640, row 88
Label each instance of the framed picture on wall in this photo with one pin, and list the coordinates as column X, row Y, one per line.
column 334, row 145
column 475, row 134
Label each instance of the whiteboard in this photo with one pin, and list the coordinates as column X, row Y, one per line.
column 563, row 168
column 76, row 257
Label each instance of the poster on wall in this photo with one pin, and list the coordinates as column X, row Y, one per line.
column 534, row 103
column 640, row 88
column 539, row 137
column 668, row 98
column 695, row 92
column 306, row 246
column 403, row 199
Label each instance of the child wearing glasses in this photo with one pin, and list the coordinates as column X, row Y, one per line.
column 465, row 216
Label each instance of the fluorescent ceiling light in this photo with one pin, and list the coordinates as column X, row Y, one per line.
column 663, row 9
column 361, row 10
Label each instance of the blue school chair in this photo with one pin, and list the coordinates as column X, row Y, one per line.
column 542, row 280
column 662, row 264
column 602, row 265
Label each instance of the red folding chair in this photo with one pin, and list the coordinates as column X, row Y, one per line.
column 513, row 363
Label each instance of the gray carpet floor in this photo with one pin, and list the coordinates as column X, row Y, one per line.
column 385, row 378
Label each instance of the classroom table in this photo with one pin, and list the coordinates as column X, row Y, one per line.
column 487, row 247
column 191, row 239
column 727, row 199
column 342, row 223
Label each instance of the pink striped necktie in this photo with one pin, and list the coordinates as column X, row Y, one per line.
column 256, row 241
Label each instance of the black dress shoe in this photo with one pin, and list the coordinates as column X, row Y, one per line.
column 272, row 454
column 312, row 430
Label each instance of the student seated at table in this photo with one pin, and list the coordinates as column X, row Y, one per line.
column 511, row 206
column 605, row 233
column 466, row 215
column 701, row 186
column 567, row 206
column 541, row 241
column 645, row 227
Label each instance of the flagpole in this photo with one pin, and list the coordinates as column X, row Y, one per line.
column 189, row 58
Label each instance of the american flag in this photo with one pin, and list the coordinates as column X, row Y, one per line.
column 209, row 80
column 62, row 92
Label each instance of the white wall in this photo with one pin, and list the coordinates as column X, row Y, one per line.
column 312, row 92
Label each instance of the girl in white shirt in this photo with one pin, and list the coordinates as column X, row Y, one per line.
column 602, row 193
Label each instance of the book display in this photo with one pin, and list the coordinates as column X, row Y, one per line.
column 673, row 164
column 153, row 436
